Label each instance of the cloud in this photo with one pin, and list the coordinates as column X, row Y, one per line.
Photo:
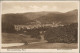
column 42, row 8
column 38, row 8
column 15, row 9
column 55, row 8
column 22, row 7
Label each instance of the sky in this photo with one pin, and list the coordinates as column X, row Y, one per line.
column 37, row 6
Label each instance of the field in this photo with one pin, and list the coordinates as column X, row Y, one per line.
column 46, row 46
column 18, row 38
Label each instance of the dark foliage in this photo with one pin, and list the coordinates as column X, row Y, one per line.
column 16, row 19
column 62, row 34
column 8, row 28
column 67, row 33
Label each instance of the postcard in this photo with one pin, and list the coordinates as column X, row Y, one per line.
column 39, row 26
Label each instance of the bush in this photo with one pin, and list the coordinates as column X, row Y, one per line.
column 62, row 34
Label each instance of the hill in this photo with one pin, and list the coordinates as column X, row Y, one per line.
column 62, row 18
column 43, row 17
column 30, row 18
column 15, row 19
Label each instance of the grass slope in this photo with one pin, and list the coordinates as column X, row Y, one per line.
column 16, row 38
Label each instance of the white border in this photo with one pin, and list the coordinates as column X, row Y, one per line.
column 40, row 50
column 0, row 23
column 78, row 23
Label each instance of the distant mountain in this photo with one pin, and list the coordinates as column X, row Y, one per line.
column 15, row 19
column 23, row 18
column 73, row 12
column 35, row 15
column 43, row 17
column 32, row 18
column 62, row 18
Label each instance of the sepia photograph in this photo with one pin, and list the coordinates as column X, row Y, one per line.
column 39, row 25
